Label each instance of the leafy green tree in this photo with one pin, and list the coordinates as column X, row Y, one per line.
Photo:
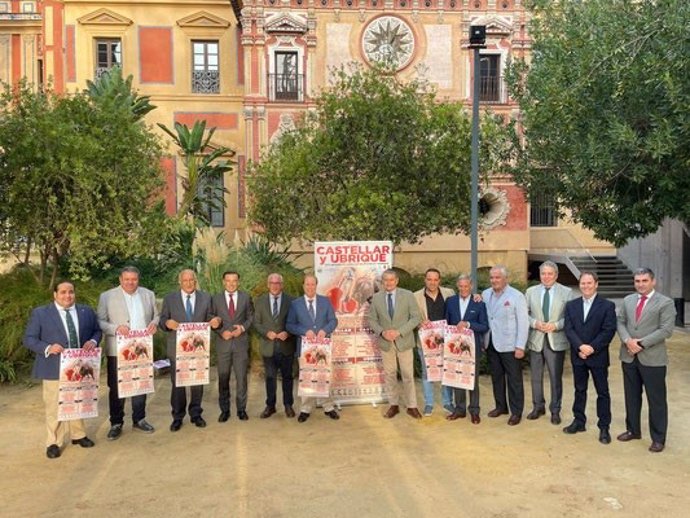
column 203, row 188
column 80, row 181
column 605, row 103
column 111, row 89
column 377, row 158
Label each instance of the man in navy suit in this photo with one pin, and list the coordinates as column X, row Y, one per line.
column 464, row 312
column 590, row 323
column 312, row 316
column 53, row 328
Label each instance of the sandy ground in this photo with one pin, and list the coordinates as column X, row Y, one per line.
column 362, row 465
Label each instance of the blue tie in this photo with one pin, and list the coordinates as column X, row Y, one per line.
column 188, row 308
column 390, row 305
column 311, row 310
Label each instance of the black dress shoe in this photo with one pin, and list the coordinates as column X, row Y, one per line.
column 289, row 411
column 656, row 447
column 224, row 416
column 604, row 436
column 84, row 442
column 476, row 419
column 242, row 415
column 456, row 415
column 176, row 425
column 115, row 431
column 268, row 412
column 536, row 414
column 332, row 414
column 303, row 416
column 143, row 426
column 514, row 419
column 199, row 422
column 53, row 451
column 574, row 427
column 628, row 436
column 497, row 412
column 556, row 418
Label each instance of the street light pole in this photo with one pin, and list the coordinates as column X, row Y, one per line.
column 477, row 42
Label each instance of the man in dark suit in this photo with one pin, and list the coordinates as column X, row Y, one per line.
column 645, row 321
column 187, row 305
column 236, row 310
column 53, row 328
column 312, row 316
column 590, row 323
column 464, row 312
column 277, row 345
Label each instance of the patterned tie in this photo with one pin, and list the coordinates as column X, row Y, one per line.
column 311, row 310
column 71, row 331
column 391, row 310
column 546, row 304
column 188, row 308
column 274, row 313
column 640, row 306
column 231, row 306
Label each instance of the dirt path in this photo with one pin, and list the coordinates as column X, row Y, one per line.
column 360, row 466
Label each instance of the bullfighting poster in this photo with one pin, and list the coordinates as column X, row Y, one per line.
column 459, row 358
column 192, row 354
column 78, row 386
column 134, row 363
column 431, row 336
column 349, row 274
column 315, row 368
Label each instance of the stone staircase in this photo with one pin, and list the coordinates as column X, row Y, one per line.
column 615, row 278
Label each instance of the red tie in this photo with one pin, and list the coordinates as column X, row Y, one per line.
column 231, row 306
column 638, row 309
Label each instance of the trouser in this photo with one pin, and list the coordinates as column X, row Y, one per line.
column 554, row 365
column 178, row 398
column 461, row 398
column 308, row 403
column 653, row 379
column 116, row 404
column 57, row 430
column 506, row 367
column 428, row 387
column 391, row 359
column 232, row 358
column 600, row 376
column 282, row 363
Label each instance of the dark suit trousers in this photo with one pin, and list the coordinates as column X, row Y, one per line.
column 653, row 379
column 273, row 364
column 232, row 358
column 178, row 398
column 117, row 405
column 600, row 377
column 506, row 367
column 554, row 365
column 461, row 398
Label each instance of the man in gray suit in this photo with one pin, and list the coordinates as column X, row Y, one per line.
column 277, row 345
column 645, row 321
column 185, row 305
column 236, row 310
column 547, row 342
column 127, row 306
column 393, row 317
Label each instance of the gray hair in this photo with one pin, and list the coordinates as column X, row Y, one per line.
column 390, row 271
column 548, row 264
column 186, row 270
column 500, row 268
column 130, row 269
column 463, row 277
column 644, row 271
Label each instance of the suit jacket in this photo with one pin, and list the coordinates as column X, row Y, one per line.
column 406, row 318
column 174, row 308
column 421, row 301
column 597, row 330
column 45, row 328
column 112, row 313
column 299, row 320
column 655, row 326
column 508, row 319
column 264, row 322
column 559, row 295
column 244, row 316
column 475, row 315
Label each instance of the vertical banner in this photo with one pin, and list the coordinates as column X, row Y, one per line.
column 134, row 363
column 431, row 336
column 78, row 386
column 348, row 274
column 459, row 358
column 192, row 354
column 315, row 368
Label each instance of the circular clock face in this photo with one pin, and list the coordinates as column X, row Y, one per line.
column 389, row 40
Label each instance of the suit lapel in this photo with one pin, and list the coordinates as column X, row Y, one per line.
column 57, row 321
column 648, row 309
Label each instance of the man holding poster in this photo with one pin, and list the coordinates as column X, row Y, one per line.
column 462, row 311
column 393, row 317
column 121, row 309
column 186, row 305
column 52, row 329
column 312, row 316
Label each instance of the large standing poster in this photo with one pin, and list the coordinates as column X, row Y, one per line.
column 349, row 273
column 134, row 363
column 192, row 354
column 78, row 387
column 459, row 358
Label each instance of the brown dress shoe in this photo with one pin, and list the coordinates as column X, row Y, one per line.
column 413, row 412
column 268, row 412
column 392, row 411
column 496, row 412
column 289, row 411
column 476, row 419
column 456, row 415
column 628, row 436
column 656, row 447
column 514, row 419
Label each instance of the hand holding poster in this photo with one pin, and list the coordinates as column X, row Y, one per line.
column 459, row 358
column 315, row 368
column 431, row 337
column 135, row 363
column 78, row 391
column 192, row 355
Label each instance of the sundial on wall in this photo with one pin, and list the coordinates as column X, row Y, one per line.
column 389, row 40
